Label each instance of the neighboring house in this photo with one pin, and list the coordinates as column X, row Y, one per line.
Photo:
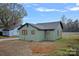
column 8, row 32
column 40, row 32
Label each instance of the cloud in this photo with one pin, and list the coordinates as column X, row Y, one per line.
column 32, row 5
column 74, row 8
column 63, row 10
column 77, row 4
column 35, row 4
column 43, row 9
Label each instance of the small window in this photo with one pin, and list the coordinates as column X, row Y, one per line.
column 24, row 32
column 33, row 32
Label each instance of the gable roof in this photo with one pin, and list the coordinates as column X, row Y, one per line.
column 49, row 25
column 44, row 26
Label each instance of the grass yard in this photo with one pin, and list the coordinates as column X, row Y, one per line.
column 68, row 45
column 2, row 37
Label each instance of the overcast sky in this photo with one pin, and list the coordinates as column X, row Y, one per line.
column 49, row 12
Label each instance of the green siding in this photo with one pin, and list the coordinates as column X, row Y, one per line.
column 38, row 36
column 53, row 35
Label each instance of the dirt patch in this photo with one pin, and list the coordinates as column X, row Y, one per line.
column 24, row 48
column 42, row 47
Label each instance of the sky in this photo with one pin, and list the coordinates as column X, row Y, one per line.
column 50, row 12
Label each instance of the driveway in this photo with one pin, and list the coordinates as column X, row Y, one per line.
column 4, row 39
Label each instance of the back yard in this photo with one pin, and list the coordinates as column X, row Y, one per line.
column 68, row 45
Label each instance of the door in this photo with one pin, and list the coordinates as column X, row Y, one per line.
column 47, row 35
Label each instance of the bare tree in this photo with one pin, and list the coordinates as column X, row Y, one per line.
column 64, row 21
column 76, row 25
column 11, row 15
column 69, row 25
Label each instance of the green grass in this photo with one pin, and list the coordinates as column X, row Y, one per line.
column 2, row 37
column 68, row 45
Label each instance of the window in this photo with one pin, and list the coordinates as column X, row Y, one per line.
column 24, row 32
column 33, row 32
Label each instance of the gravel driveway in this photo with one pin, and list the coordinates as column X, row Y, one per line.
column 8, row 39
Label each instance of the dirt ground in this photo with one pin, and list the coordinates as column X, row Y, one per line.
column 24, row 48
column 14, row 48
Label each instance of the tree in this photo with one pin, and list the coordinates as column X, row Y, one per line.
column 64, row 21
column 76, row 25
column 11, row 15
column 69, row 25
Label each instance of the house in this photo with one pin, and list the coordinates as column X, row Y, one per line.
column 8, row 32
column 42, row 31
